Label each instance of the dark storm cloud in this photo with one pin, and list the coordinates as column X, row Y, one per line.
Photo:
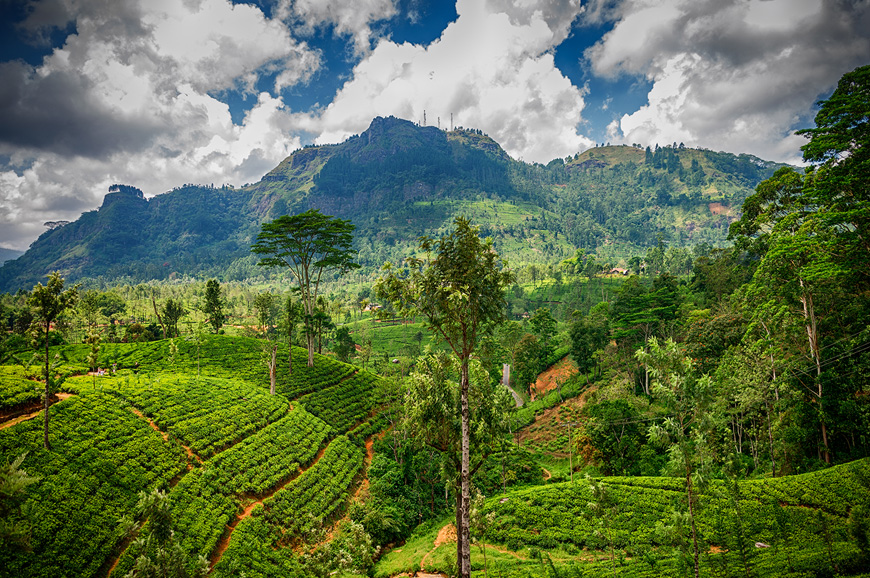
column 57, row 113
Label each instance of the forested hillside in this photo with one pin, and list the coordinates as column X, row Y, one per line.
column 397, row 181
column 702, row 412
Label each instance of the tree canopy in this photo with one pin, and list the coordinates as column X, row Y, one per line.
column 461, row 293
column 307, row 244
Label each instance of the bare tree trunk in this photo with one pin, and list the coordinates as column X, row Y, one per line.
column 463, row 537
column 46, row 402
column 273, row 367
column 159, row 320
column 770, row 437
column 690, row 491
column 813, row 336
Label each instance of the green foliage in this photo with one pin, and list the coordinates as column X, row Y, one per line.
column 307, row 244
column 588, row 335
column 250, row 444
column 615, row 431
column 160, row 554
column 16, row 388
column 172, row 312
column 344, row 344
column 213, row 305
column 559, row 516
column 103, row 455
column 346, row 403
column 544, row 328
column 15, row 525
column 227, row 410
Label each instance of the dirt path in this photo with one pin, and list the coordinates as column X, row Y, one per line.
column 361, row 489
column 501, row 550
column 550, row 378
column 224, row 542
column 165, row 435
column 24, row 417
column 370, row 453
column 446, row 535
column 122, row 547
column 547, row 474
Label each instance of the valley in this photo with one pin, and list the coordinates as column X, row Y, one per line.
column 229, row 382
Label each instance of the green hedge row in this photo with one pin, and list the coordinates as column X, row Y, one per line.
column 16, row 389
column 102, row 456
column 320, row 491
column 258, row 545
column 804, row 513
column 207, row 414
column 346, row 403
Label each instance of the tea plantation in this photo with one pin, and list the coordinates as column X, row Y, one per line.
column 255, row 479
column 196, row 419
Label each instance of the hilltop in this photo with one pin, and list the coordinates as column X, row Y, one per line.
column 398, row 181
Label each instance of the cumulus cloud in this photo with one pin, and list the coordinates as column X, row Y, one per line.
column 737, row 75
column 492, row 69
column 352, row 18
column 132, row 97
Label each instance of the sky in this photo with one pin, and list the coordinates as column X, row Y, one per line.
column 160, row 93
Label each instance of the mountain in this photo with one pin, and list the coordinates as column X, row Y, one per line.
column 398, row 181
column 8, row 254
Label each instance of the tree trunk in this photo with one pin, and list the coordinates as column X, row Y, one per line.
column 310, row 338
column 692, row 519
column 46, row 403
column 463, row 537
column 770, row 437
column 459, row 553
column 159, row 320
column 273, row 367
column 813, row 336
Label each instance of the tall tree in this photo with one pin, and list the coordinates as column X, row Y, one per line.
column 213, row 305
column 265, row 304
column 461, row 293
column 684, row 432
column 289, row 320
column 308, row 244
column 173, row 311
column 588, row 335
column 158, row 550
column 433, row 416
column 544, row 328
column 49, row 302
column 344, row 344
column 838, row 144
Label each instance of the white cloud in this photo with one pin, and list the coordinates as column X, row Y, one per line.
column 736, row 75
column 131, row 98
column 352, row 18
column 492, row 69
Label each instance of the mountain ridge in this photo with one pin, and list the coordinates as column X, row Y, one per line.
column 398, row 181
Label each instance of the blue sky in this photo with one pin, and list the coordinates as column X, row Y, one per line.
column 158, row 93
